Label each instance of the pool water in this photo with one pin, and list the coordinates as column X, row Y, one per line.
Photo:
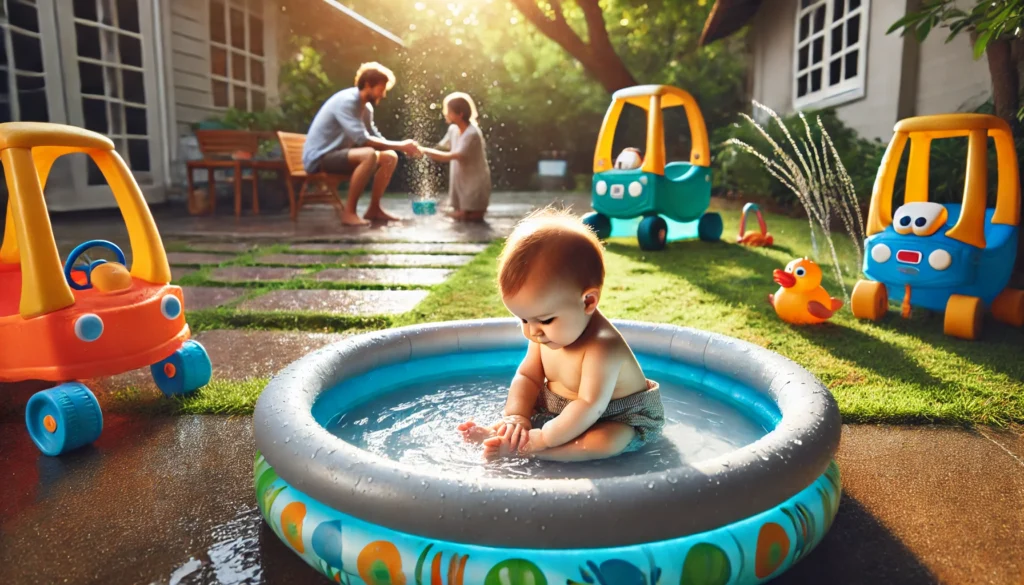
column 415, row 424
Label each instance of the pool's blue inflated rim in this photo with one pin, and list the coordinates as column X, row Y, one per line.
column 708, row 495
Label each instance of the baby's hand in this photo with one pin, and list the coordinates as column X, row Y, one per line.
column 533, row 442
column 513, row 429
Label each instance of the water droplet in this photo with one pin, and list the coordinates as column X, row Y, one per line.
column 650, row 485
column 506, row 510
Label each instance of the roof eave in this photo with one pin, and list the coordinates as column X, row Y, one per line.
column 365, row 22
column 726, row 18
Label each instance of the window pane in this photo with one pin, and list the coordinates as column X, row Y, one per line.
column 138, row 154
column 819, row 18
column 219, row 61
column 802, row 57
column 86, row 9
column 134, row 86
column 805, row 3
column 255, row 35
column 801, row 86
column 237, row 29
column 805, row 25
column 32, row 99
column 238, row 66
column 256, row 73
column 218, row 28
column 854, row 5
column 853, row 30
column 851, row 64
column 259, row 101
column 128, row 15
column 837, row 39
column 220, row 94
column 837, row 9
column 818, row 50
column 816, row 79
column 115, row 117
column 95, row 113
column 106, row 10
column 5, row 111
column 28, row 52
column 112, row 82
column 91, row 78
column 23, row 16
column 131, row 50
column 835, row 71
column 135, row 121
column 239, row 100
column 88, row 41
column 3, row 54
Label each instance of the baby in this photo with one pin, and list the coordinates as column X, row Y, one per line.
column 579, row 393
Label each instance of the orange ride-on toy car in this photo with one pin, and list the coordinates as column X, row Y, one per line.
column 83, row 319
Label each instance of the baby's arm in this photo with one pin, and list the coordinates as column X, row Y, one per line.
column 526, row 385
column 600, row 371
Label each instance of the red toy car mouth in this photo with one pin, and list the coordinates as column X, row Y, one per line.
column 783, row 278
column 908, row 256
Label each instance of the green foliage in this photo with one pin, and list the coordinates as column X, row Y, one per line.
column 743, row 173
column 988, row 20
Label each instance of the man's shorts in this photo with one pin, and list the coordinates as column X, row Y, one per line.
column 335, row 162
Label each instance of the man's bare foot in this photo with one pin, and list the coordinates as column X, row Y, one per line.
column 379, row 214
column 352, row 219
column 474, row 433
column 496, row 448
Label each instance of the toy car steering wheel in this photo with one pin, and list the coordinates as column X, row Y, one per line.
column 79, row 250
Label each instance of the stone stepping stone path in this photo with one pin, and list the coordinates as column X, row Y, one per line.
column 253, row 273
column 197, row 258
column 407, row 276
column 229, row 247
column 394, row 247
column 344, row 302
column 412, row 260
column 177, row 272
column 203, row 297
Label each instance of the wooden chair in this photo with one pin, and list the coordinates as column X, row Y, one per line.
column 316, row 187
column 224, row 149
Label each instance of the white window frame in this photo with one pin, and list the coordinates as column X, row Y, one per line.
column 847, row 89
column 247, row 9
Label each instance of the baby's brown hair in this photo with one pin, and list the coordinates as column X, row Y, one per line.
column 554, row 245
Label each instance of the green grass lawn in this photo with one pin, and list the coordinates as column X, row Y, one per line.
column 894, row 370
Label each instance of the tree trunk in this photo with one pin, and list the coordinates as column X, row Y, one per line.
column 1005, row 81
column 597, row 56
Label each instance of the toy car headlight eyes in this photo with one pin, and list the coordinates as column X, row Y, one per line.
column 635, row 189
column 170, row 307
column 89, row 327
column 922, row 218
column 902, row 225
column 940, row 259
column 880, row 253
column 601, row 187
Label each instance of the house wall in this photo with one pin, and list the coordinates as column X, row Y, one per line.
column 188, row 33
column 901, row 79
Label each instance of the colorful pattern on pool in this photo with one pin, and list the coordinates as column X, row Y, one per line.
column 353, row 552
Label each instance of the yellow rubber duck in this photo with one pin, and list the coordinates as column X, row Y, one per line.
column 801, row 300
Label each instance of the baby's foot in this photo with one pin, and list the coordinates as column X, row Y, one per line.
column 497, row 447
column 474, row 433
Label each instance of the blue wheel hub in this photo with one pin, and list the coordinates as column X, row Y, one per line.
column 185, row 371
column 600, row 223
column 652, row 233
column 709, row 228
column 64, row 418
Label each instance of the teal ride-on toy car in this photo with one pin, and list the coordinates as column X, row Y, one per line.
column 662, row 202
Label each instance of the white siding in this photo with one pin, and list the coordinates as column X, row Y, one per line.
column 946, row 78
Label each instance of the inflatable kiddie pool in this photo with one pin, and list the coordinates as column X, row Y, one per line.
column 359, row 469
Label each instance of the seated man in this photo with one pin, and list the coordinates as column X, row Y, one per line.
column 343, row 140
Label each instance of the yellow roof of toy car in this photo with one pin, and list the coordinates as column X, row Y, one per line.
column 950, row 125
column 36, row 134
column 636, row 95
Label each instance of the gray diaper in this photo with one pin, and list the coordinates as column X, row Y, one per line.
column 643, row 411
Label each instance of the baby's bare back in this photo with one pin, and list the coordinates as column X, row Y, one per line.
column 563, row 368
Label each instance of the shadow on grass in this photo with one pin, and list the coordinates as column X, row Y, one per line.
column 740, row 276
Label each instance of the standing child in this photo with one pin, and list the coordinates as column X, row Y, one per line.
column 579, row 393
column 469, row 185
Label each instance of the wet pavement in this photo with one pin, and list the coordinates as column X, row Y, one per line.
column 253, row 273
column 345, row 302
column 392, row 276
column 171, row 501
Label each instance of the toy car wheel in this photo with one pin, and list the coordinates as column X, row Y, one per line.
column 870, row 300
column 1008, row 307
column 185, row 371
column 709, row 228
column 652, row 233
column 963, row 317
column 600, row 223
column 64, row 418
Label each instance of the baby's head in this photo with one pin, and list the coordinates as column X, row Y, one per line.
column 550, row 275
